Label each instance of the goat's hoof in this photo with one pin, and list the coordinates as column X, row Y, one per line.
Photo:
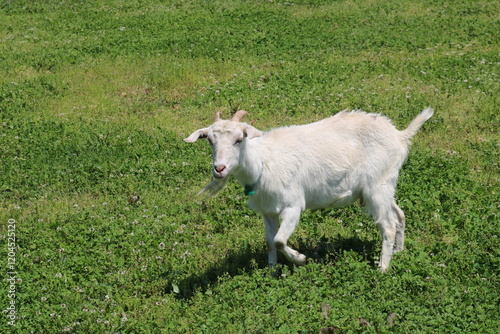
column 382, row 270
column 300, row 260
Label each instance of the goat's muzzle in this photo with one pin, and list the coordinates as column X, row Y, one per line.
column 219, row 171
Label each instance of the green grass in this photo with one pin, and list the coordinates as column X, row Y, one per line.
column 96, row 96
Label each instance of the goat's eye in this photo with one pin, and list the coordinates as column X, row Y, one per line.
column 237, row 142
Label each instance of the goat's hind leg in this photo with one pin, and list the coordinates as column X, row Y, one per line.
column 388, row 230
column 380, row 205
column 400, row 228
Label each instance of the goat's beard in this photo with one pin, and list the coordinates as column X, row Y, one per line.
column 214, row 187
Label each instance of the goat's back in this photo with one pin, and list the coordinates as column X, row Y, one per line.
column 346, row 133
column 333, row 156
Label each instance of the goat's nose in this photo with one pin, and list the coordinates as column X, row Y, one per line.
column 219, row 168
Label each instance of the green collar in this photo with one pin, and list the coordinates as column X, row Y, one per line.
column 250, row 188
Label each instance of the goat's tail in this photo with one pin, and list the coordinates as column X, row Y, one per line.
column 417, row 123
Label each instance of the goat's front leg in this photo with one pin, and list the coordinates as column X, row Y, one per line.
column 271, row 224
column 289, row 220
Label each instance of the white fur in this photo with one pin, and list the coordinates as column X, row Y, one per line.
column 330, row 163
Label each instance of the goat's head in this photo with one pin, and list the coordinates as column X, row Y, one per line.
column 226, row 138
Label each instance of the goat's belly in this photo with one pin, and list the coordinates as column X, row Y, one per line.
column 328, row 201
column 275, row 203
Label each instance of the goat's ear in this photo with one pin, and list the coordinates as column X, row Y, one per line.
column 198, row 134
column 251, row 132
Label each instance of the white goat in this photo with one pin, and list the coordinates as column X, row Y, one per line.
column 330, row 163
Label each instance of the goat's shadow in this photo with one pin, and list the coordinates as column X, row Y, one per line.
column 244, row 260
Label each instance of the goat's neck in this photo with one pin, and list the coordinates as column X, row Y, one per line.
column 250, row 165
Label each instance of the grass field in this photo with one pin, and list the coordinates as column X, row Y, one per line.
column 101, row 230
